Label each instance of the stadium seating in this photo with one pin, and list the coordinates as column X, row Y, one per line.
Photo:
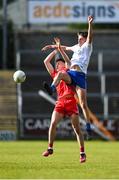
column 8, row 108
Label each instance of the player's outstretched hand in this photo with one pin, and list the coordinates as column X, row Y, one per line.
column 57, row 41
column 90, row 19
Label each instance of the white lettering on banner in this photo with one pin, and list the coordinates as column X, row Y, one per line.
column 34, row 124
column 72, row 11
column 31, row 124
column 66, row 124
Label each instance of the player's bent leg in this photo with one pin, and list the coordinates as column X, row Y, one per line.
column 61, row 76
column 83, row 103
column 77, row 129
column 82, row 95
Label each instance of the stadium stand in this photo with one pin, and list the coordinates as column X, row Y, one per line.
column 8, row 108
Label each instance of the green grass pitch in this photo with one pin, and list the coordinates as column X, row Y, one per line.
column 24, row 160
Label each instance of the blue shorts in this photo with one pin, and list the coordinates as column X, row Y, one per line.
column 78, row 78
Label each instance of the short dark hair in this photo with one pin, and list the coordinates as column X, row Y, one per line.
column 58, row 57
column 84, row 34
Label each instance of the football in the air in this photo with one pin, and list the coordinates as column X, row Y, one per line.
column 19, row 76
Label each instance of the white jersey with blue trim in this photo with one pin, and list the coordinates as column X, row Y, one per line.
column 81, row 56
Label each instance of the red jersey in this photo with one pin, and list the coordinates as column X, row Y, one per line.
column 63, row 89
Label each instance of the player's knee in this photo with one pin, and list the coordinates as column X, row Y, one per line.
column 60, row 75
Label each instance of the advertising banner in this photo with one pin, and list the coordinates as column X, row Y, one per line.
column 59, row 12
column 37, row 128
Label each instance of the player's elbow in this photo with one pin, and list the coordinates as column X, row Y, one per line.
column 45, row 62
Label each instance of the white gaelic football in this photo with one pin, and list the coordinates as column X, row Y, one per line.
column 19, row 76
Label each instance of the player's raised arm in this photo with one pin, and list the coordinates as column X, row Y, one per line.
column 54, row 46
column 47, row 62
column 90, row 33
column 61, row 50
